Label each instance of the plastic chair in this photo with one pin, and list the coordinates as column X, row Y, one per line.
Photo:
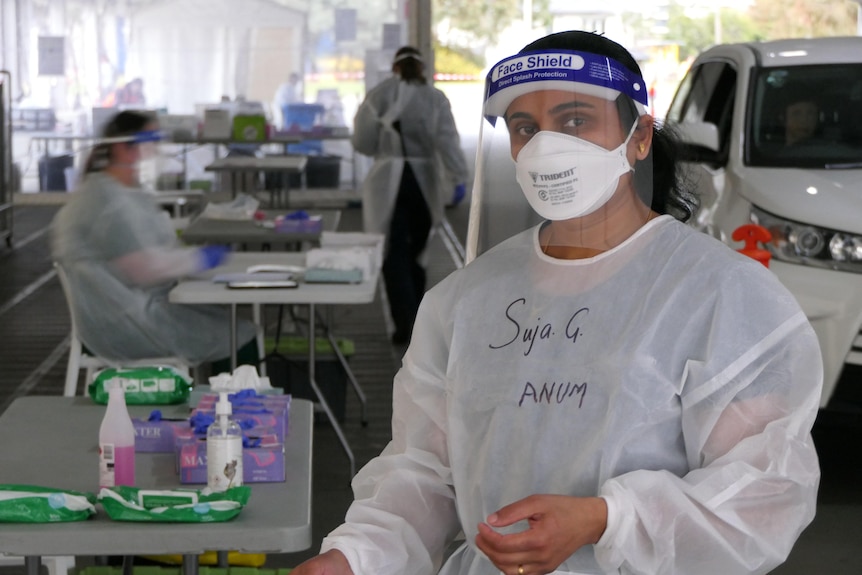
column 79, row 359
column 56, row 564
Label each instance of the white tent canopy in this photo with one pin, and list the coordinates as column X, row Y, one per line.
column 195, row 51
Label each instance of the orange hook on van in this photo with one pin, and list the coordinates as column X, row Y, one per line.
column 752, row 234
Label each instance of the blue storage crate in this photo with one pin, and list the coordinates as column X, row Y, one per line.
column 302, row 116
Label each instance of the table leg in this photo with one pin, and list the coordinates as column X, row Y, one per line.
column 232, row 336
column 285, row 178
column 222, row 559
column 128, row 564
column 360, row 394
column 323, row 403
column 32, row 563
column 190, row 565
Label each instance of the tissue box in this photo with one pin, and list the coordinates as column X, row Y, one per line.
column 157, row 436
column 265, row 436
column 311, row 225
column 199, row 391
column 275, row 402
column 244, row 404
column 259, row 464
column 275, row 418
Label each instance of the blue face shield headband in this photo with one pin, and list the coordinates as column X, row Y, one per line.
column 568, row 70
column 136, row 138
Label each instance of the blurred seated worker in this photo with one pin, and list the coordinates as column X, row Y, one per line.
column 800, row 121
column 121, row 257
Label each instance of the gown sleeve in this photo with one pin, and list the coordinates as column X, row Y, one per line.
column 747, row 409
column 135, row 242
column 449, row 144
column 366, row 127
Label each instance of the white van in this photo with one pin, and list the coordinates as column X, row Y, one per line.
column 774, row 136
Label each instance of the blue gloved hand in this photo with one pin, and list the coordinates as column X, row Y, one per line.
column 212, row 256
column 458, row 196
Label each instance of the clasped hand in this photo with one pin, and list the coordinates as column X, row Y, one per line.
column 559, row 525
column 331, row 562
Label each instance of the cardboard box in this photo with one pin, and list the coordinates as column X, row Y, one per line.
column 259, row 411
column 263, row 464
column 157, row 436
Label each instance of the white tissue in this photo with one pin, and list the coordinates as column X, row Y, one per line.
column 243, row 377
column 242, row 207
column 341, row 259
column 371, row 242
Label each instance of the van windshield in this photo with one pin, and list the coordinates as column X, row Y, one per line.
column 806, row 116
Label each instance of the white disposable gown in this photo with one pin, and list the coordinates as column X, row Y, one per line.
column 119, row 318
column 670, row 375
column 431, row 145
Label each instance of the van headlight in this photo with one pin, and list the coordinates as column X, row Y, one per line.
column 799, row 243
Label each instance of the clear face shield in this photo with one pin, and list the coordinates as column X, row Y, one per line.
column 150, row 155
column 147, row 164
column 565, row 139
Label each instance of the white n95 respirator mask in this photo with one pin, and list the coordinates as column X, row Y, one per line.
column 566, row 177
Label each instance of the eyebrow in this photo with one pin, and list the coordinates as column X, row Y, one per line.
column 565, row 106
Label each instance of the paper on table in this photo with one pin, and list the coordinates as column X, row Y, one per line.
column 261, row 268
column 252, row 277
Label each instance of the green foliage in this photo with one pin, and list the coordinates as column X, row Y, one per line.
column 697, row 34
column 805, row 18
column 481, row 19
column 449, row 60
column 765, row 20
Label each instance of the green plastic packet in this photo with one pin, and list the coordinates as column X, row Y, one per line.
column 156, row 385
column 34, row 504
column 123, row 503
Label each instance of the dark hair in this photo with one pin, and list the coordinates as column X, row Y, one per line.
column 660, row 169
column 126, row 123
column 410, row 68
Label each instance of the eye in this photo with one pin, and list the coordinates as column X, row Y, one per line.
column 522, row 130
column 527, row 131
column 573, row 123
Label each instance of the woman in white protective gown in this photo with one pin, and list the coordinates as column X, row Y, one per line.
column 608, row 391
column 121, row 256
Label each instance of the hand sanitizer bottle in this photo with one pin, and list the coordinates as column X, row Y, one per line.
column 116, row 441
column 224, row 448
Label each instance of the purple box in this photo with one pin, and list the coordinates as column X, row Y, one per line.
column 157, row 436
column 207, row 401
column 272, row 414
column 261, row 436
column 259, row 464
column 311, row 225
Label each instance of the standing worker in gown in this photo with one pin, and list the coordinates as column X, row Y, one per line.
column 407, row 125
column 609, row 391
column 121, row 256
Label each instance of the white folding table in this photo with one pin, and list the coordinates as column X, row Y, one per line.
column 204, row 230
column 202, row 290
column 285, row 165
column 53, row 441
